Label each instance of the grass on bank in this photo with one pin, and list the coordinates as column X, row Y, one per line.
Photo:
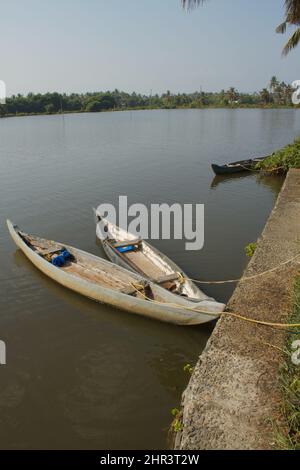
column 282, row 160
column 289, row 437
column 250, row 249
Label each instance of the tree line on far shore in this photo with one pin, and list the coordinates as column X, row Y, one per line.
column 275, row 95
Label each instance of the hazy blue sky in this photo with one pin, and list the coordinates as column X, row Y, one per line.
column 87, row 45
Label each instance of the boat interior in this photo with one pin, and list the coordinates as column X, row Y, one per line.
column 245, row 162
column 93, row 269
column 142, row 258
column 242, row 162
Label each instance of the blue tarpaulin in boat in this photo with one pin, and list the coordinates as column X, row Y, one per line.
column 124, row 249
column 66, row 254
column 58, row 261
column 62, row 258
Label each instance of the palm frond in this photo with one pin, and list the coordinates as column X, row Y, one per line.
column 281, row 29
column 292, row 11
column 292, row 18
column 292, row 42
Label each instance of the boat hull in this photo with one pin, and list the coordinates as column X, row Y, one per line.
column 170, row 311
column 236, row 167
column 188, row 286
column 225, row 170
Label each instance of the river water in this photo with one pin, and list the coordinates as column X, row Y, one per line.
column 82, row 375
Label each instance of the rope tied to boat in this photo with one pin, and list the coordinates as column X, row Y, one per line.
column 137, row 286
column 181, row 278
column 248, row 278
column 226, row 313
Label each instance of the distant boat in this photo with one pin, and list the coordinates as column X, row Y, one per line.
column 108, row 283
column 137, row 255
column 236, row 167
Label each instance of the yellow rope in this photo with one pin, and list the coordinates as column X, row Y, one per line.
column 243, row 279
column 260, row 322
column 181, row 278
column 232, row 314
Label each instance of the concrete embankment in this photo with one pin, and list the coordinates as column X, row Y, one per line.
column 234, row 395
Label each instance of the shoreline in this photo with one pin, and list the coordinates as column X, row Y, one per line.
column 234, row 395
column 295, row 108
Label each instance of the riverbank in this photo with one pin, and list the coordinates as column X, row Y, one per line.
column 281, row 161
column 234, row 396
column 149, row 108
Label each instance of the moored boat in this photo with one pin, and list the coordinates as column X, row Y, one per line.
column 108, row 283
column 236, row 167
column 137, row 255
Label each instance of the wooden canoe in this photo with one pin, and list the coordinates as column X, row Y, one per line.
column 110, row 284
column 236, row 167
column 149, row 262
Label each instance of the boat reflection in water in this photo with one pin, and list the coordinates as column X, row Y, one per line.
column 274, row 183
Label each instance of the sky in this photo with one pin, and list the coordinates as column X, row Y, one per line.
column 142, row 45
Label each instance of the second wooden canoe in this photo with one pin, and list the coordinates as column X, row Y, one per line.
column 137, row 255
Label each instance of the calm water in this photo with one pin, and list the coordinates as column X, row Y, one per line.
column 82, row 375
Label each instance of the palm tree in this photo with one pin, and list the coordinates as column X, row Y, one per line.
column 265, row 96
column 288, row 92
column 273, row 84
column 232, row 95
column 292, row 18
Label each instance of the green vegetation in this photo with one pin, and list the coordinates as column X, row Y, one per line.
column 278, row 94
column 282, row 160
column 250, row 249
column 292, row 18
column 176, row 425
column 188, row 368
column 289, row 437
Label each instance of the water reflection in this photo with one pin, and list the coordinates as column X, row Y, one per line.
column 105, row 380
column 229, row 179
column 273, row 183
